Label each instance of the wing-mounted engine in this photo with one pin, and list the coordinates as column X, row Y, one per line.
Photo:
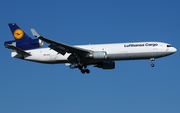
column 106, row 65
column 98, row 55
column 25, row 45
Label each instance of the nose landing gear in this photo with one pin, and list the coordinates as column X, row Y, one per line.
column 152, row 62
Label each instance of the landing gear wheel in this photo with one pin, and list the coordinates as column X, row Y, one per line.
column 152, row 65
column 82, row 71
column 87, row 71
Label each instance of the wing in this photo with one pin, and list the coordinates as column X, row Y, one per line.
column 19, row 51
column 61, row 47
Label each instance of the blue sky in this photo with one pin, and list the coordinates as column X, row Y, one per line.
column 132, row 87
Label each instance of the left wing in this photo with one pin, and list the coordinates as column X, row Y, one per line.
column 61, row 47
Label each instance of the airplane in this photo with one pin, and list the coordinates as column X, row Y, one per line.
column 80, row 56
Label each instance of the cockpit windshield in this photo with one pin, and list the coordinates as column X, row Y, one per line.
column 169, row 46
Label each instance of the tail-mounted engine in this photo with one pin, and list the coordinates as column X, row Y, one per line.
column 25, row 45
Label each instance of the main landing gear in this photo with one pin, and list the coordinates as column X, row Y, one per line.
column 85, row 71
column 152, row 62
column 76, row 63
column 81, row 67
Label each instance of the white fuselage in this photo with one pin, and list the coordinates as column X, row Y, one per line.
column 119, row 51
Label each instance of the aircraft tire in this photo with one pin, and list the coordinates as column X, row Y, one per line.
column 83, row 71
column 152, row 65
column 87, row 71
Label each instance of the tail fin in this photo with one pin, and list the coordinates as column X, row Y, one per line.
column 22, row 40
column 18, row 33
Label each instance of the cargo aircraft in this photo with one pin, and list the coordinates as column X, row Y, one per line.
column 81, row 56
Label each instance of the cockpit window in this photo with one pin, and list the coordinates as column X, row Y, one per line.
column 169, row 46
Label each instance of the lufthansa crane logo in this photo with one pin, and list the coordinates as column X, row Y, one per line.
column 18, row 33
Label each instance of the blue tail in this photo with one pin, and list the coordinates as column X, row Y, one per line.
column 18, row 33
column 22, row 40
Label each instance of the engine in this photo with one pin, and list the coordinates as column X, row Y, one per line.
column 98, row 55
column 106, row 65
column 25, row 45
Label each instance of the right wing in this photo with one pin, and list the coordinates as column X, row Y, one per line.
column 61, row 47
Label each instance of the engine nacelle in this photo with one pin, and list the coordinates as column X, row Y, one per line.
column 29, row 44
column 98, row 55
column 106, row 65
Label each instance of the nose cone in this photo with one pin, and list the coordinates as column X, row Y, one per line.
column 174, row 49
column 171, row 50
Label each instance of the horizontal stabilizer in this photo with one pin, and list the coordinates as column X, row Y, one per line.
column 18, row 50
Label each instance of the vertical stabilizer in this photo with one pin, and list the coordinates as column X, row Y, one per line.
column 22, row 40
column 18, row 33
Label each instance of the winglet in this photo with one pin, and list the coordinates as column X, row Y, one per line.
column 35, row 33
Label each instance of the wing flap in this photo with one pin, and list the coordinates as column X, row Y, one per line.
column 19, row 51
